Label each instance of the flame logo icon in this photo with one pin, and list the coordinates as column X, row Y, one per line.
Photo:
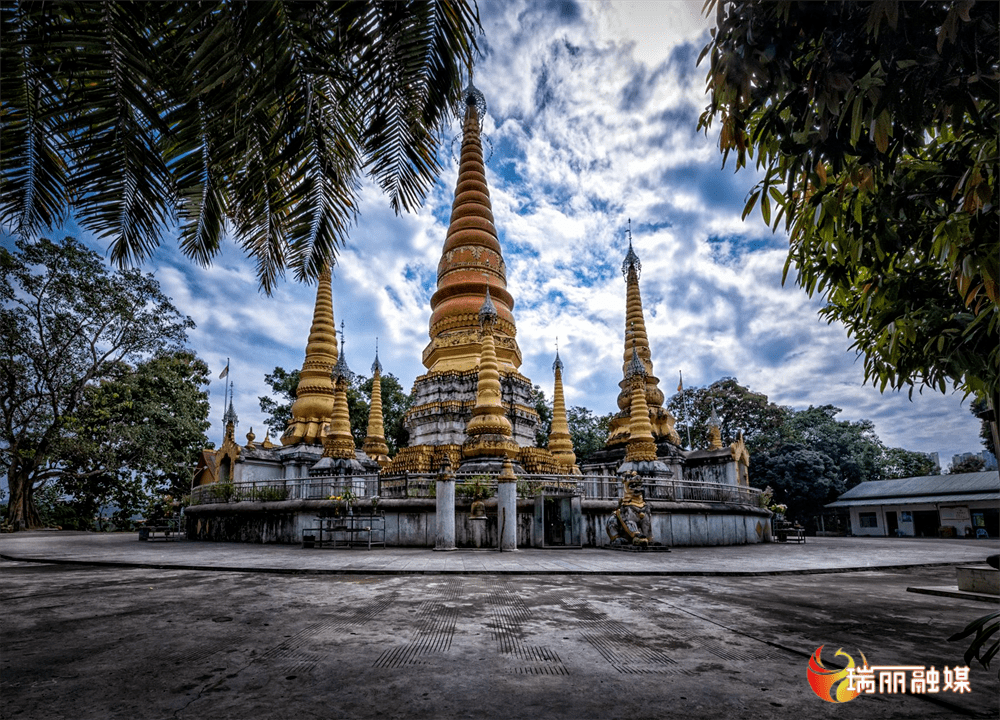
column 830, row 685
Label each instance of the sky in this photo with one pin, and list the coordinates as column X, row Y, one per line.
column 592, row 116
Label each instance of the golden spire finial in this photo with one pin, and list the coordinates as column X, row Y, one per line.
column 375, row 446
column 560, row 442
column 313, row 406
column 229, row 419
column 488, row 433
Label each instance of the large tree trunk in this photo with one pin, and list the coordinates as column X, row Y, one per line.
column 21, row 511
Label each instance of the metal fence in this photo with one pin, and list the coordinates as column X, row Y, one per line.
column 595, row 487
column 361, row 486
column 609, row 487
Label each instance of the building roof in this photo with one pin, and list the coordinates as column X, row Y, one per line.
column 962, row 487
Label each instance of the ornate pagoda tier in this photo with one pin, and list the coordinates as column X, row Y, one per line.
column 471, row 262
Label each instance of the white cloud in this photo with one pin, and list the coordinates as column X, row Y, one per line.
column 592, row 110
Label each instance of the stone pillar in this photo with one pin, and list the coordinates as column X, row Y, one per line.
column 445, row 537
column 507, row 507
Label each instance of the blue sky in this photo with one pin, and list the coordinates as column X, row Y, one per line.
column 592, row 108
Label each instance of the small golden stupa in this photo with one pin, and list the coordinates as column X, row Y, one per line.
column 560, row 442
column 375, row 445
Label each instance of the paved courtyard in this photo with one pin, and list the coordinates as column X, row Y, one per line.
column 202, row 630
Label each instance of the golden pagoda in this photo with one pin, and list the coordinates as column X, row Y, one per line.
column 375, row 446
column 314, row 402
column 338, row 442
column 560, row 442
column 229, row 452
column 488, row 434
column 339, row 454
column 471, row 264
column 640, row 446
column 637, row 343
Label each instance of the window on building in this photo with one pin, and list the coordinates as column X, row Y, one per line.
column 868, row 520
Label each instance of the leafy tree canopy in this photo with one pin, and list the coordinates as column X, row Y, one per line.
column 139, row 430
column 279, row 412
column 543, row 406
column 803, row 479
column 833, row 454
column 587, row 431
column 900, row 463
column 738, row 408
column 875, row 127
column 853, row 446
column 256, row 117
column 67, row 324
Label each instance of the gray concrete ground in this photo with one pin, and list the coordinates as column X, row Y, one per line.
column 195, row 630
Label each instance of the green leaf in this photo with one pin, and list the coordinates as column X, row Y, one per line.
column 750, row 204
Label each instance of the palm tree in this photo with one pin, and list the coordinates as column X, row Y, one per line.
column 257, row 118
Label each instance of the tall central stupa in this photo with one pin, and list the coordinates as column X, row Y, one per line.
column 471, row 262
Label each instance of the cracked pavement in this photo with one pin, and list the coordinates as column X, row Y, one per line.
column 81, row 642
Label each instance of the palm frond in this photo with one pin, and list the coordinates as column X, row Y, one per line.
column 257, row 116
column 417, row 68
column 113, row 127
column 33, row 178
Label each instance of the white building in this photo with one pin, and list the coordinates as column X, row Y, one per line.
column 967, row 503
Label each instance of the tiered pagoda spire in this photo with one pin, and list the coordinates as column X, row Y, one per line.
column 313, row 406
column 471, row 262
column 375, row 446
column 560, row 442
column 229, row 419
column 488, row 434
column 637, row 345
column 640, row 447
column 338, row 442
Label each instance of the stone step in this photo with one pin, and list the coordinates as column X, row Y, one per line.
column 979, row 578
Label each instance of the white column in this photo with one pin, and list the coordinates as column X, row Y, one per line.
column 507, row 508
column 445, row 537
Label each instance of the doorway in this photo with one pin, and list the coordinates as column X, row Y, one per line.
column 926, row 523
column 558, row 520
column 891, row 524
